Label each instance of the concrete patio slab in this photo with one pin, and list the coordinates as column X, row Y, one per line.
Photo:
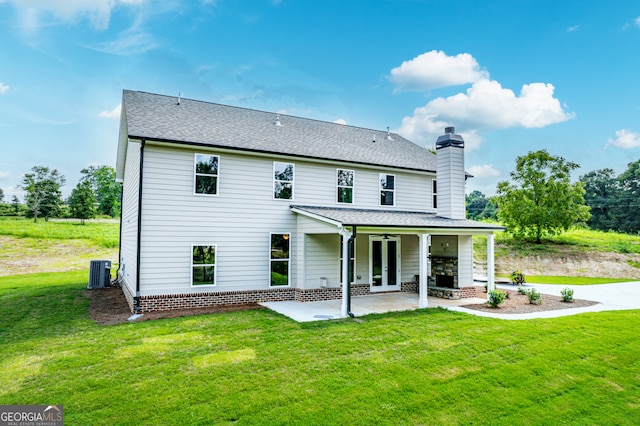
column 619, row 296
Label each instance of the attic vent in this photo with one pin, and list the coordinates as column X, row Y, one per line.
column 179, row 98
column 389, row 138
column 374, row 137
column 277, row 122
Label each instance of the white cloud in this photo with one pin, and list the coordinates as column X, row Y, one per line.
column 485, row 106
column 130, row 41
column 340, row 121
column 3, row 89
column 435, row 69
column 4, row 174
column 485, row 171
column 637, row 22
column 114, row 113
column 32, row 13
column 625, row 139
column 573, row 28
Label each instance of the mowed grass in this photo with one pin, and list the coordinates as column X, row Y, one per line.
column 28, row 247
column 257, row 367
column 103, row 233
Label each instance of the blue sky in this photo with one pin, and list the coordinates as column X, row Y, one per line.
column 512, row 76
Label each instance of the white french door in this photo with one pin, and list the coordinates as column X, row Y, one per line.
column 384, row 263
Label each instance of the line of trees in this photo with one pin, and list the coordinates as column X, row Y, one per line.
column 540, row 198
column 96, row 194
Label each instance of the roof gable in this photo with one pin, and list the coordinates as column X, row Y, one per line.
column 160, row 117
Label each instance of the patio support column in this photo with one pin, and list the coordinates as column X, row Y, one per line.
column 346, row 235
column 425, row 242
column 491, row 285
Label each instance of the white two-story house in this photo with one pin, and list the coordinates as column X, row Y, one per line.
column 226, row 205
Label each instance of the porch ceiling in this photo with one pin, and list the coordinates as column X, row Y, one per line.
column 387, row 218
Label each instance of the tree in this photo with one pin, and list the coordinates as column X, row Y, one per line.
column 476, row 203
column 541, row 198
column 15, row 203
column 82, row 201
column 602, row 195
column 480, row 207
column 630, row 198
column 1, row 195
column 106, row 189
column 43, row 196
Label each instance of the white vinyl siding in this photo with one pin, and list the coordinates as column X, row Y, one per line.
column 129, row 217
column 240, row 219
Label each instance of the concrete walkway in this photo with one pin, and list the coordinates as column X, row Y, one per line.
column 620, row 296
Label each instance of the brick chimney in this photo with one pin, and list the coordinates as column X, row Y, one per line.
column 450, row 175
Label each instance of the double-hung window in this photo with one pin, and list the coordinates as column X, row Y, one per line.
column 206, row 174
column 283, row 180
column 345, row 186
column 387, row 189
column 279, row 259
column 203, row 265
column 435, row 194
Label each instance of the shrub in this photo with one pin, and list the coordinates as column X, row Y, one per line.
column 567, row 294
column 535, row 298
column 496, row 298
column 522, row 290
column 517, row 277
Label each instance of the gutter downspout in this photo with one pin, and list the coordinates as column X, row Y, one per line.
column 139, row 237
column 120, row 239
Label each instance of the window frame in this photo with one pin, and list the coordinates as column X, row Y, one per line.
column 381, row 189
column 434, row 193
column 214, row 264
column 276, row 181
column 338, row 186
column 196, row 174
column 280, row 260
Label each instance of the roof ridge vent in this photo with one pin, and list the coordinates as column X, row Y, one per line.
column 389, row 138
column 277, row 122
column 449, row 130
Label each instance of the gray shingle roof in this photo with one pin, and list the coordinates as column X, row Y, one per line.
column 160, row 117
column 385, row 218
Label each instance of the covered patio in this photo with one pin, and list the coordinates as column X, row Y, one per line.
column 390, row 251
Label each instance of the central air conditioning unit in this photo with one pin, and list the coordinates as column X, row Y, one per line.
column 99, row 274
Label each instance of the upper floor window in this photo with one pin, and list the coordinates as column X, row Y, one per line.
column 345, row 186
column 282, row 180
column 206, row 174
column 435, row 194
column 387, row 189
column 203, row 265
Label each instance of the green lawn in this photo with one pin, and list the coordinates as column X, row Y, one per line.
column 257, row 367
column 103, row 233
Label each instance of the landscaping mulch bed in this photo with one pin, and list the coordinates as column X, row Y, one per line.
column 108, row 306
column 519, row 304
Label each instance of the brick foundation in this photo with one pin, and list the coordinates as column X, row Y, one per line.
column 277, row 294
